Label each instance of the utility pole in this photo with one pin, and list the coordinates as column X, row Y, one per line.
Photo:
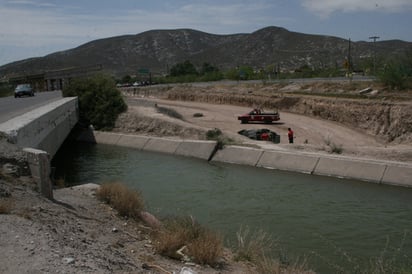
column 349, row 61
column 374, row 38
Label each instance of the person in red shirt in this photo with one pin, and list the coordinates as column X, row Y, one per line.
column 290, row 135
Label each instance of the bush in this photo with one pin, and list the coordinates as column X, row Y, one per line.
column 182, row 237
column 185, row 68
column 5, row 90
column 397, row 74
column 169, row 112
column 213, row 134
column 256, row 248
column 217, row 135
column 127, row 202
column 100, row 102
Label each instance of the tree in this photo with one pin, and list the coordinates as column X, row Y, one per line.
column 208, row 68
column 126, row 79
column 397, row 73
column 181, row 69
column 100, row 102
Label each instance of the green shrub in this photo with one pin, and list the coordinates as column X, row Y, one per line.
column 100, row 102
column 397, row 73
column 5, row 90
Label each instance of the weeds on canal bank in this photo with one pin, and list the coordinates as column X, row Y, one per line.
column 185, row 239
column 128, row 203
column 392, row 259
column 217, row 135
column 255, row 248
column 332, row 147
column 180, row 237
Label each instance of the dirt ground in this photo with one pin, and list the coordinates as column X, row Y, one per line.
column 311, row 134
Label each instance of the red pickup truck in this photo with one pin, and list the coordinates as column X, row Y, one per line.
column 257, row 115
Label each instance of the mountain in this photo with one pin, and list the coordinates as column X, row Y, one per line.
column 158, row 50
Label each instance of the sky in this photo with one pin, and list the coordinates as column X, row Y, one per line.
column 34, row 28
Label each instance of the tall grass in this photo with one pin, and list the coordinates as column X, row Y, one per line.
column 392, row 259
column 256, row 248
column 128, row 203
column 185, row 239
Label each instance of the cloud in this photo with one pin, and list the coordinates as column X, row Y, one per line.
column 324, row 8
column 31, row 3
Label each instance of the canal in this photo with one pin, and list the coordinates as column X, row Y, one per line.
column 337, row 224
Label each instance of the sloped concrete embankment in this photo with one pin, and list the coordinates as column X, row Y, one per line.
column 381, row 172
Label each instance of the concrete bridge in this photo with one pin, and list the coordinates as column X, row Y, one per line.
column 40, row 133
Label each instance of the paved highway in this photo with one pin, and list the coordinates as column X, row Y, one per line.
column 11, row 107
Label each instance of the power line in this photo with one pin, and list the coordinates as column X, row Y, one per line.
column 374, row 38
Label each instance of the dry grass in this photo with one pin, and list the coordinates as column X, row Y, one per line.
column 255, row 248
column 128, row 203
column 185, row 239
column 252, row 246
column 5, row 206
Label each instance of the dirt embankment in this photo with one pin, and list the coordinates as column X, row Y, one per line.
column 76, row 233
column 388, row 120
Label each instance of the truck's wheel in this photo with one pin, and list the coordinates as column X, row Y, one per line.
column 243, row 121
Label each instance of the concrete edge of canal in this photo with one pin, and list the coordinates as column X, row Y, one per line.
column 382, row 172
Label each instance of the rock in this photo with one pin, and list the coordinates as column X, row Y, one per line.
column 150, row 220
column 187, row 270
column 4, row 193
column 68, row 260
column 365, row 90
column 10, row 169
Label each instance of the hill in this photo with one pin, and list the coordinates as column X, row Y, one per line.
column 158, row 50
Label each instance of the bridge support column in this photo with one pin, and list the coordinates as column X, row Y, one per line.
column 39, row 162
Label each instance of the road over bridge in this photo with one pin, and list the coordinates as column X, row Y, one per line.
column 11, row 107
column 38, row 125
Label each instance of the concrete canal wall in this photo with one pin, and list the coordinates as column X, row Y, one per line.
column 383, row 172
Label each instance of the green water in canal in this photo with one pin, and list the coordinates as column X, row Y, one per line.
column 335, row 223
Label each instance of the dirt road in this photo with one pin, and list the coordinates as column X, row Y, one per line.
column 311, row 134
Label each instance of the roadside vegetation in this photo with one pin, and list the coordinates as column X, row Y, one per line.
column 394, row 73
column 5, row 89
column 397, row 73
column 100, row 102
